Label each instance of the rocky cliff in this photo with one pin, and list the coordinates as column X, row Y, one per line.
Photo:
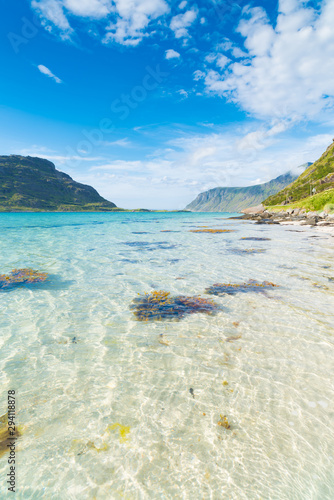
column 34, row 184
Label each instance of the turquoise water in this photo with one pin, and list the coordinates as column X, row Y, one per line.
column 110, row 415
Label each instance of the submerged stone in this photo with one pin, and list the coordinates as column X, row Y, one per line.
column 253, row 238
column 160, row 305
column 233, row 288
column 249, row 251
column 21, row 277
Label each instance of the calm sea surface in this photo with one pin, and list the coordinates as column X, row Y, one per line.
column 104, row 400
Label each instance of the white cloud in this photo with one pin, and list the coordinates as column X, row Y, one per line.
column 126, row 21
column 89, row 8
column 171, row 54
column 52, row 11
column 180, row 23
column 222, row 61
column 210, row 58
column 183, row 5
column 192, row 163
column 198, row 75
column 289, row 72
column 133, row 18
column 47, row 72
column 183, row 93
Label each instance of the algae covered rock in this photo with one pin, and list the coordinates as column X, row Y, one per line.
column 21, row 277
column 233, row 288
column 159, row 305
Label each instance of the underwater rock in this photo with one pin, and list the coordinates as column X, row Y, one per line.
column 231, row 288
column 20, row 277
column 160, row 305
column 243, row 251
column 233, row 338
column 150, row 246
column 253, row 238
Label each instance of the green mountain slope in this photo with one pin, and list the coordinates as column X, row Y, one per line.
column 235, row 199
column 34, row 184
column 319, row 176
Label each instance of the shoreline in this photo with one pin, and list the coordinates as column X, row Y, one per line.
column 295, row 217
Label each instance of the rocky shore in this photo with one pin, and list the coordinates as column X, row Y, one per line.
column 261, row 215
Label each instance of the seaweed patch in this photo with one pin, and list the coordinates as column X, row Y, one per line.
column 211, row 231
column 123, row 430
column 21, row 277
column 232, row 288
column 159, row 305
column 4, row 434
column 223, row 422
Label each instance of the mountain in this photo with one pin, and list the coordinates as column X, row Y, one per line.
column 235, row 199
column 318, row 178
column 34, row 184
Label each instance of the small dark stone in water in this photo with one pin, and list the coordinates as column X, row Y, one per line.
column 249, row 251
column 251, row 238
column 74, row 340
column 191, row 390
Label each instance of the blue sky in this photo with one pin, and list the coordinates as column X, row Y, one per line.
column 154, row 101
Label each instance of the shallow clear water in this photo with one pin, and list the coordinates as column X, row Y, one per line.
column 111, row 416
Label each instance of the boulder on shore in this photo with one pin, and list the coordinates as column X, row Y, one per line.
column 259, row 209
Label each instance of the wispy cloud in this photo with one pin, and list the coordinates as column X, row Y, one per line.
column 123, row 143
column 47, row 72
column 194, row 163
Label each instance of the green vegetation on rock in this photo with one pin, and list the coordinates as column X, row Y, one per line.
column 317, row 203
column 319, row 177
column 34, row 184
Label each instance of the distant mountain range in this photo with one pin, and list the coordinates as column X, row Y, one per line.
column 235, row 199
column 34, row 184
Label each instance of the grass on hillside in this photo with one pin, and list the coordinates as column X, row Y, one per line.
column 316, row 203
column 320, row 175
